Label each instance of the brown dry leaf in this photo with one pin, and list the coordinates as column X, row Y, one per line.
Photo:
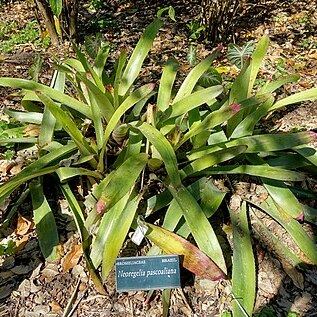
column 5, row 166
column 72, row 258
column 55, row 307
column 23, row 226
column 16, row 169
column 314, row 55
column 32, row 130
column 19, row 244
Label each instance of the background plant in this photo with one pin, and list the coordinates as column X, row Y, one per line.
column 12, row 36
column 151, row 155
column 219, row 18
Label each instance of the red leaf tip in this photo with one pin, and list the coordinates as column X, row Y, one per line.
column 300, row 217
column 236, row 107
column 101, row 206
column 313, row 134
column 109, row 88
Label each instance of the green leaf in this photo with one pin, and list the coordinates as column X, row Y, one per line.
column 166, row 300
column 22, row 116
column 89, row 70
column 118, row 226
column 45, row 225
column 192, row 101
column 310, row 94
column 100, row 98
column 120, row 65
column 212, row 120
column 53, row 93
column 101, row 59
column 211, row 159
column 67, row 173
column 139, row 54
column 256, row 170
column 243, row 264
column 122, row 181
column 307, row 153
column 277, row 246
column 163, row 147
column 210, row 78
column 247, row 125
column 170, row 10
column 271, row 86
column 293, row 227
column 257, row 59
column 49, row 121
column 273, row 142
column 191, row 54
column 283, row 197
column 67, row 123
column 76, row 210
column 56, row 7
column 192, row 78
column 199, row 225
column 237, row 55
column 137, row 95
column 166, row 84
column 108, row 226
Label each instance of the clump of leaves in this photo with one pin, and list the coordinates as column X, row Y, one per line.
column 124, row 139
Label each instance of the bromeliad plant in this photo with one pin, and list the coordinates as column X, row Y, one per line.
column 149, row 156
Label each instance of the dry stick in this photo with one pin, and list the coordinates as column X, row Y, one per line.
column 71, row 301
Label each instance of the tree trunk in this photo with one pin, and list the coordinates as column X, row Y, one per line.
column 48, row 20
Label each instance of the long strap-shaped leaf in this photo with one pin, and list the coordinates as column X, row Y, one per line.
column 120, row 65
column 101, row 99
column 310, row 94
column 192, row 78
column 108, row 226
column 271, row 86
column 283, row 197
column 53, row 93
column 37, row 168
column 129, row 102
column 49, row 121
column 256, row 170
column 260, row 143
column 257, row 58
column 122, row 181
column 166, row 84
column 45, row 225
column 192, row 101
column 195, row 217
column 67, row 123
column 212, row 159
column 139, row 54
column 293, row 227
column 86, row 244
column 194, row 260
column 243, row 264
column 214, row 119
column 117, row 228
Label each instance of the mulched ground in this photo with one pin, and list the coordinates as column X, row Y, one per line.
column 29, row 287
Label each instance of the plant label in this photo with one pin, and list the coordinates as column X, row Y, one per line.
column 147, row 272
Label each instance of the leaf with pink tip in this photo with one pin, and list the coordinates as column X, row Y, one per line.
column 193, row 259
